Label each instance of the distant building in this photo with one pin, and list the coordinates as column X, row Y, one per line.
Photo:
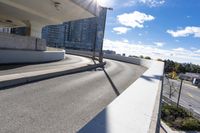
column 5, row 30
column 54, row 35
column 109, row 52
column 78, row 34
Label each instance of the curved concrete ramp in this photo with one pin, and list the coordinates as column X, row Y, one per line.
column 21, row 56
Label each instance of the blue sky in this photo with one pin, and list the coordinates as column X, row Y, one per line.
column 167, row 29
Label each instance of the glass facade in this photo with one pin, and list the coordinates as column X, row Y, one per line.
column 80, row 34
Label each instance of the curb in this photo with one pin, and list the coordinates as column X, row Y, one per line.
column 167, row 129
column 24, row 78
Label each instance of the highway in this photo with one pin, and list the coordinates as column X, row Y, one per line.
column 63, row 104
column 190, row 95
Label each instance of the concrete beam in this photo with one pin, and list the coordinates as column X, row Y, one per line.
column 40, row 13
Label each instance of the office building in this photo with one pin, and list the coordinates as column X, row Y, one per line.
column 80, row 34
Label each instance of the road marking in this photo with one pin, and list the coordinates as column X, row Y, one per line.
column 190, row 95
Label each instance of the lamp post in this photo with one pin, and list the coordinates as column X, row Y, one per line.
column 179, row 95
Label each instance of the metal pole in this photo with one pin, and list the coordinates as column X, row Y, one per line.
column 170, row 91
column 101, row 48
column 94, row 45
column 179, row 95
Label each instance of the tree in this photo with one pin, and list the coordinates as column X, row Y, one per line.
column 171, row 66
column 147, row 57
column 159, row 60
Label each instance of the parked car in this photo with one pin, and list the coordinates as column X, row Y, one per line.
column 196, row 81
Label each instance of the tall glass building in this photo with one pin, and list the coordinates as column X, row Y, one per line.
column 80, row 34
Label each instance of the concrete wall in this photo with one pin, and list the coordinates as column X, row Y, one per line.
column 11, row 41
column 137, row 109
column 21, row 56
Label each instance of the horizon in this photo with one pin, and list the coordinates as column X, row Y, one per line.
column 164, row 29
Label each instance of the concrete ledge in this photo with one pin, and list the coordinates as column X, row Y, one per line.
column 137, row 109
column 11, row 41
column 20, row 56
column 22, row 78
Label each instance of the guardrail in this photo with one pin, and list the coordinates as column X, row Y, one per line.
column 24, row 56
column 137, row 109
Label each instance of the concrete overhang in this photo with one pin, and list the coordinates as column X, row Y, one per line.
column 38, row 13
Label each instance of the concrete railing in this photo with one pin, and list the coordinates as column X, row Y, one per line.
column 137, row 109
column 16, row 42
column 24, row 56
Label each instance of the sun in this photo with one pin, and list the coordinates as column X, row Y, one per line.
column 105, row 3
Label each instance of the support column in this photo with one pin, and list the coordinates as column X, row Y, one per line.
column 33, row 29
column 101, row 22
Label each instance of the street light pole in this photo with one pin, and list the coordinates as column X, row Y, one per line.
column 179, row 95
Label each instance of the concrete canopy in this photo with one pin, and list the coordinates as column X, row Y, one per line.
column 38, row 13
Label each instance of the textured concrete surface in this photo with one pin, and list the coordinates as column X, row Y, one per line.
column 70, row 60
column 24, row 56
column 17, row 42
column 64, row 104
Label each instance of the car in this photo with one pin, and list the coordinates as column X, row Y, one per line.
column 198, row 85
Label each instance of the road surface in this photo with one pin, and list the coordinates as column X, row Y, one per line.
column 190, row 96
column 64, row 104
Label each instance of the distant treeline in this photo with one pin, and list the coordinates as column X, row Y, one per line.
column 171, row 66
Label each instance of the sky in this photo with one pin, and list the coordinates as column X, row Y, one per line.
column 164, row 29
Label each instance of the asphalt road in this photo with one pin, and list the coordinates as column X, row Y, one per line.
column 64, row 104
column 190, row 95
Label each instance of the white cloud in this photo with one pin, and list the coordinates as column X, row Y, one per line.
column 150, row 3
column 177, row 40
column 121, row 30
column 106, row 3
column 159, row 44
column 135, row 19
column 179, row 54
column 190, row 30
column 193, row 48
column 153, row 3
column 130, row 3
column 179, row 49
column 125, row 40
column 197, row 51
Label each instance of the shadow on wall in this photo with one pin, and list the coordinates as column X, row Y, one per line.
column 151, row 78
column 98, row 125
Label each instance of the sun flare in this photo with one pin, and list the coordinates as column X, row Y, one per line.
column 104, row 2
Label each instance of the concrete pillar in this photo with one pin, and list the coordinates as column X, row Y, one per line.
column 34, row 29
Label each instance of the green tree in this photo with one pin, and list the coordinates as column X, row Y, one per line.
column 147, row 57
